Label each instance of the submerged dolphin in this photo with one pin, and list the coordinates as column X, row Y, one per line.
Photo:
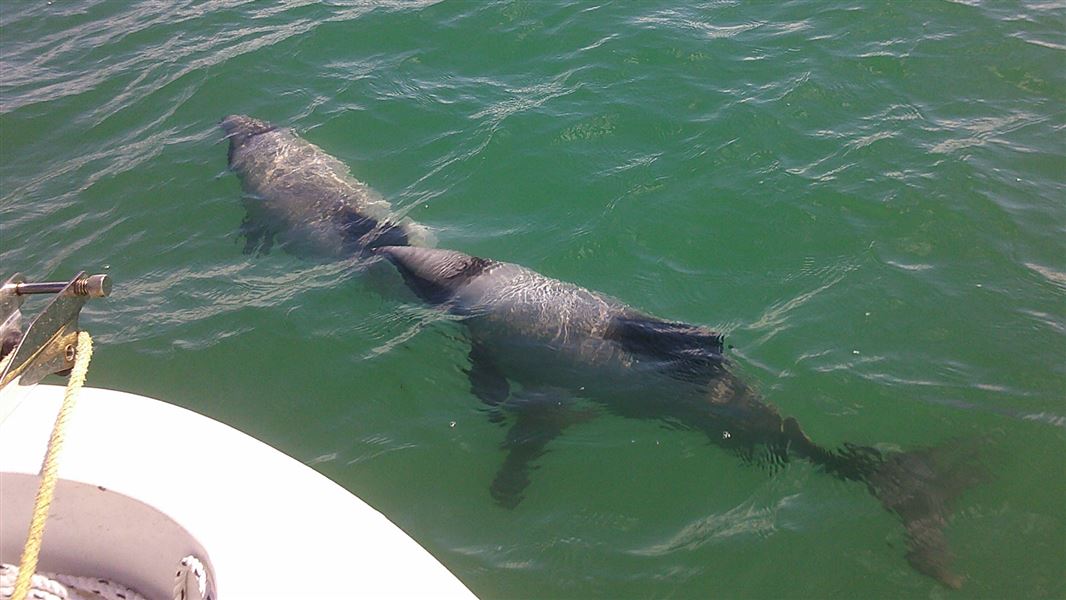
column 537, row 331
column 306, row 198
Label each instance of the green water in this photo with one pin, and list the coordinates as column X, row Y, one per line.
column 868, row 197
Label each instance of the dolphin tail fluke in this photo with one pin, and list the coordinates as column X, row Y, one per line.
column 918, row 486
column 921, row 487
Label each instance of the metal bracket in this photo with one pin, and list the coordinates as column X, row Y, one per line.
column 48, row 346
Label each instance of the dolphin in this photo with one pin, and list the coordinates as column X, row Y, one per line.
column 307, row 199
column 546, row 334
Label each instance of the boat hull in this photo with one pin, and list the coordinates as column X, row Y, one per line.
column 144, row 483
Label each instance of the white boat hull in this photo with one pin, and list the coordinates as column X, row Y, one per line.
column 144, row 483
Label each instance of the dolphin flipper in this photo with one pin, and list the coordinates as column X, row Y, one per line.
column 540, row 417
column 486, row 381
column 525, row 443
column 258, row 238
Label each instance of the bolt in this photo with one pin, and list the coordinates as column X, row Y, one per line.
column 94, row 286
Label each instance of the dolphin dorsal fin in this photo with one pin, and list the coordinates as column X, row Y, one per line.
column 665, row 340
column 434, row 275
column 364, row 232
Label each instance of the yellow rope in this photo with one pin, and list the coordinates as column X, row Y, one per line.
column 7, row 359
column 50, row 468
